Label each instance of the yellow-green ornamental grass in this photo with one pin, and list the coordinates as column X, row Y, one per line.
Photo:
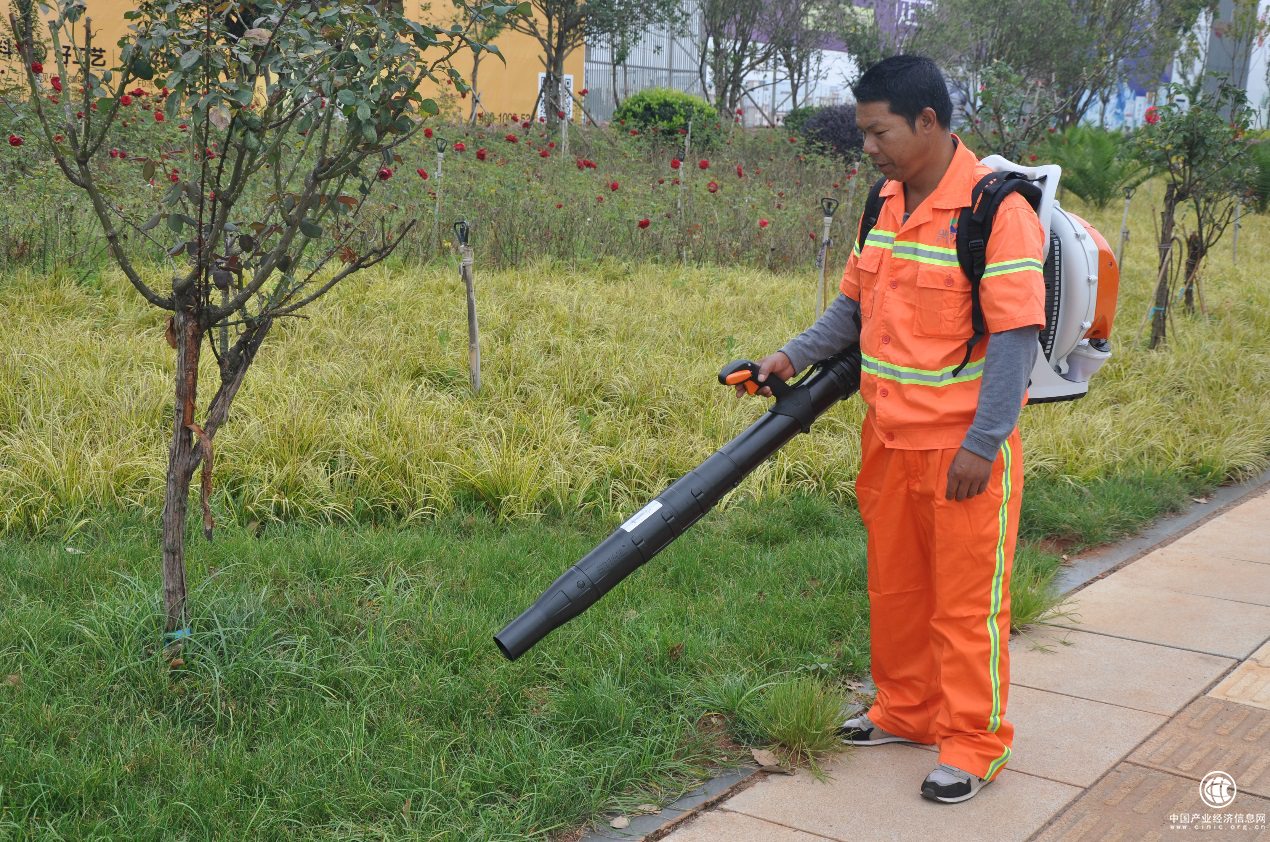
column 599, row 389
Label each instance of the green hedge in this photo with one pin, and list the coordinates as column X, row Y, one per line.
column 664, row 112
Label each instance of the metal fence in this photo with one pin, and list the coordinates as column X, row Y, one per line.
column 663, row 59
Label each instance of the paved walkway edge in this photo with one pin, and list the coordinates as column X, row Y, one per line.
column 1082, row 571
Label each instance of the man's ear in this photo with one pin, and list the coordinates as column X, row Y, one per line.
column 927, row 121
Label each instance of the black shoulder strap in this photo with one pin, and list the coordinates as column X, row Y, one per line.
column 872, row 210
column 974, row 227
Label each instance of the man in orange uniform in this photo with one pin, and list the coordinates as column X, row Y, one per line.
column 942, row 469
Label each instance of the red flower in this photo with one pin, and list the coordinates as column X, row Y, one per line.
column 158, row 116
column 57, row 84
column 634, row 132
column 740, row 173
column 384, row 173
column 713, row 187
column 643, row 223
column 1031, row 157
column 762, row 223
column 460, row 147
column 812, row 235
column 560, row 114
column 738, row 111
column 583, row 92
column 1152, row 116
column 661, row 181
column 427, row 132
column 422, row 173
column 511, row 138
column 57, row 138
column 114, row 153
column 599, row 198
column 559, row 204
column 551, row 144
column 125, row 100
column 613, row 185
column 793, row 140
column 37, row 68
column 674, row 163
column 544, row 154
column 580, row 164
column 704, row 164
column 14, row 140
column 481, row 154
column 174, row 177
column 590, row 164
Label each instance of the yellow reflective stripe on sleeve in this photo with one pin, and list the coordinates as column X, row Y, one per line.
column 1004, row 267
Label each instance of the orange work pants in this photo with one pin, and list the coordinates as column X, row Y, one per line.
column 939, row 600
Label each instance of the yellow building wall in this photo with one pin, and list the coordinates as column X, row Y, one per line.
column 504, row 90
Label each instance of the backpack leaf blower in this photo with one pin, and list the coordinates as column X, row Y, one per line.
column 652, row 528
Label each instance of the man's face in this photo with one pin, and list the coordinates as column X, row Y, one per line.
column 897, row 149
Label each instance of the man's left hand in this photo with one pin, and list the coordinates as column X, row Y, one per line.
column 968, row 475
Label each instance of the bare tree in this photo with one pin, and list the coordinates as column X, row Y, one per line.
column 736, row 42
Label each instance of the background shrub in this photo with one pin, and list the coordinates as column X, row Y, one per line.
column 1260, row 154
column 833, row 128
column 1097, row 164
column 661, row 111
column 797, row 118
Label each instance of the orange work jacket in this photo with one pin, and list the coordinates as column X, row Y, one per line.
column 915, row 306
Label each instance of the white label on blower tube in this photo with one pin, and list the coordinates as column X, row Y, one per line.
column 641, row 516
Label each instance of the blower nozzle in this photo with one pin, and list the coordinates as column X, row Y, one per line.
column 649, row 530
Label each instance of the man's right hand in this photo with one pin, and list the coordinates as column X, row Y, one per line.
column 777, row 364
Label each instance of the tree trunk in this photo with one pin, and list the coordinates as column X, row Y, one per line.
column 613, row 76
column 189, row 342
column 1160, row 310
column 1194, row 255
column 476, row 66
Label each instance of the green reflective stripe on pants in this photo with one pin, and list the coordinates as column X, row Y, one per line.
column 935, row 255
column 1006, row 266
column 998, row 579
column 997, row 764
column 917, row 376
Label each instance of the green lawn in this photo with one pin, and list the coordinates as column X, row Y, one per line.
column 342, row 682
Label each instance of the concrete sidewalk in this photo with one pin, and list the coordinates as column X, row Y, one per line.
column 1160, row 676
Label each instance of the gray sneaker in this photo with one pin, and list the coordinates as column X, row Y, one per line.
column 949, row 785
column 860, row 731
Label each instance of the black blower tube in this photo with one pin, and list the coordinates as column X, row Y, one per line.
column 668, row 516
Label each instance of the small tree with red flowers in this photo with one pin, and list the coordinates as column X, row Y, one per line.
column 288, row 114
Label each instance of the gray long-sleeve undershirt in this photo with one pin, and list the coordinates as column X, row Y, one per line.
column 1006, row 370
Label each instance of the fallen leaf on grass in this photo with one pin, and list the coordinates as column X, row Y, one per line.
column 74, row 551
column 1200, row 499
column 13, row 680
column 620, row 822
column 648, row 808
column 175, row 663
column 676, row 652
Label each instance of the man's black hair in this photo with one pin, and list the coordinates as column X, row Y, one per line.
column 907, row 84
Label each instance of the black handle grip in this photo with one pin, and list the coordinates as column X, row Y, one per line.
column 733, row 374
